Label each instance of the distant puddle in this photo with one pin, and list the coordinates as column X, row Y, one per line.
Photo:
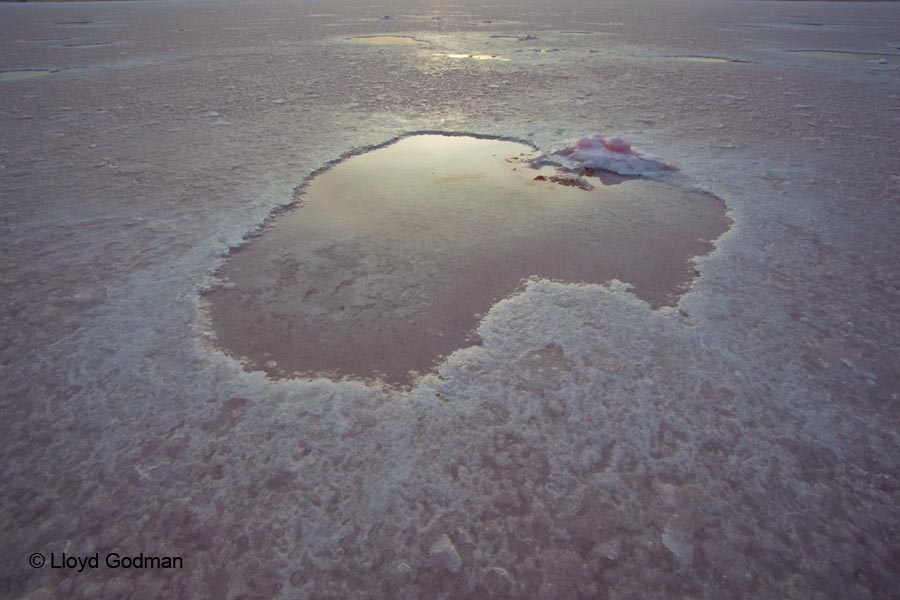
column 88, row 44
column 476, row 56
column 823, row 27
column 383, row 40
column 864, row 57
column 393, row 255
column 43, row 40
column 709, row 59
column 19, row 75
column 88, row 24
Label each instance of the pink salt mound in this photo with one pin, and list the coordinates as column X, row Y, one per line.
column 617, row 145
column 596, row 152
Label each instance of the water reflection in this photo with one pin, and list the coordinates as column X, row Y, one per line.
column 384, row 39
column 475, row 56
column 394, row 252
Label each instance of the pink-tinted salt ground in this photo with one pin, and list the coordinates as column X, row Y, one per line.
column 743, row 444
column 396, row 254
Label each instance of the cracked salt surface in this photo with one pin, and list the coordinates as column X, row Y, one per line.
column 395, row 254
column 740, row 444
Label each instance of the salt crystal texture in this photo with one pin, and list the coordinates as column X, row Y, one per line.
column 444, row 555
column 590, row 447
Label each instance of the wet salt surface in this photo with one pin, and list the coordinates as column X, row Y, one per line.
column 396, row 254
column 864, row 57
column 709, row 59
column 19, row 75
column 474, row 56
column 742, row 443
column 87, row 44
column 383, row 39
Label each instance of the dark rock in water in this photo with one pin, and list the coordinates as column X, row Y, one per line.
column 572, row 181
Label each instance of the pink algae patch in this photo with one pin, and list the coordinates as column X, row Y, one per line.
column 595, row 152
column 617, row 145
column 613, row 145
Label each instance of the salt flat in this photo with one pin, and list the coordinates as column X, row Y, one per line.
column 741, row 443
